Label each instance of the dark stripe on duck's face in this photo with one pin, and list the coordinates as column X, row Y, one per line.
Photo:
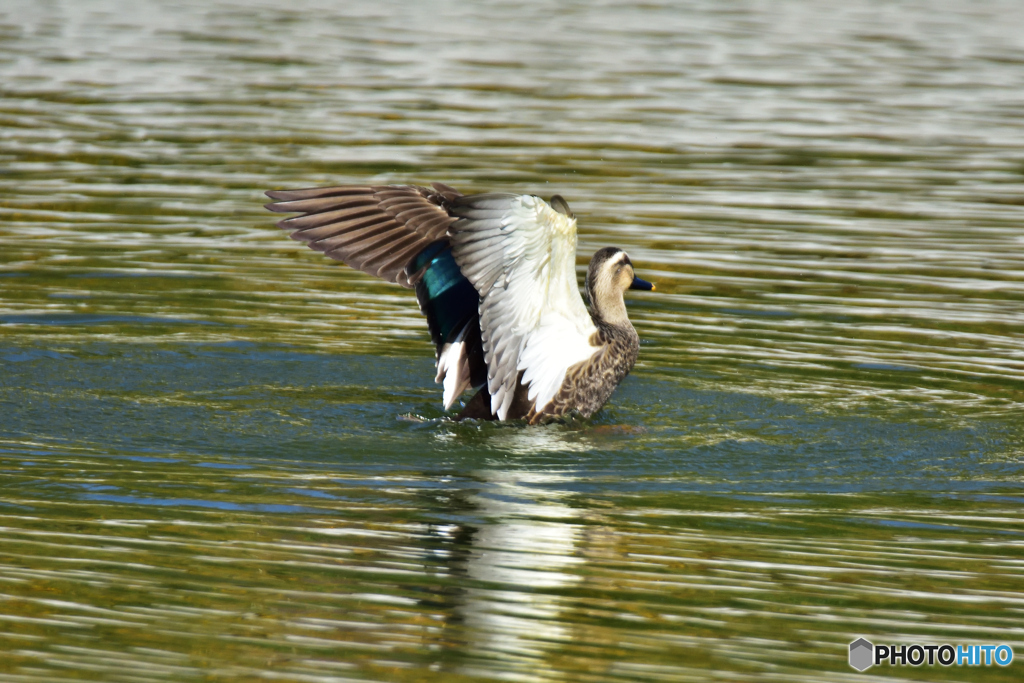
column 637, row 283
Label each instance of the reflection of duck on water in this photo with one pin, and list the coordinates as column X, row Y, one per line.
column 495, row 275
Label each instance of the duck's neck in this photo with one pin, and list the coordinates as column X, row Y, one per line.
column 615, row 331
column 607, row 307
column 610, row 310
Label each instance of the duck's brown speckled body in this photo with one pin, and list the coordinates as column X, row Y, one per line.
column 589, row 385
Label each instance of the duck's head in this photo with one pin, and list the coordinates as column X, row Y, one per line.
column 610, row 274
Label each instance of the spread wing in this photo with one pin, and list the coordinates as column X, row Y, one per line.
column 398, row 233
column 376, row 229
column 520, row 255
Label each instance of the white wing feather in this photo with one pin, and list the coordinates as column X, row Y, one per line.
column 453, row 368
column 520, row 255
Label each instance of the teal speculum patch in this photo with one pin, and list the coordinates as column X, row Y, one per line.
column 447, row 298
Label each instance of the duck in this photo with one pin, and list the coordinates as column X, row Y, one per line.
column 495, row 275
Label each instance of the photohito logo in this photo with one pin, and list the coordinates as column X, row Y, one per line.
column 864, row 654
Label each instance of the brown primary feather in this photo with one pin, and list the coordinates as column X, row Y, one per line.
column 376, row 229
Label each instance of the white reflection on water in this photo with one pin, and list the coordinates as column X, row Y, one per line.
column 550, row 438
column 522, row 560
column 519, row 563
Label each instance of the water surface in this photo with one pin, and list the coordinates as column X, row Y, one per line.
column 224, row 457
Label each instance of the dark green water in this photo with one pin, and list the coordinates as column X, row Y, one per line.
column 222, row 456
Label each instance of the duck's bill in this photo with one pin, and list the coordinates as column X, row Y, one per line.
column 640, row 284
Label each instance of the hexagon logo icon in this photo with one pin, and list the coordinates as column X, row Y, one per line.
column 862, row 654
